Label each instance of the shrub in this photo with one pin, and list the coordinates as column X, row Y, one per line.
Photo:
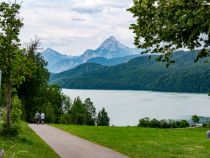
column 8, row 130
column 205, row 125
column 16, row 111
column 13, row 128
column 154, row 123
column 50, row 113
column 184, row 123
column 65, row 119
column 144, row 122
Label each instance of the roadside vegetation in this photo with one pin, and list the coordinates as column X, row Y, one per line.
column 139, row 142
column 26, row 145
column 24, row 87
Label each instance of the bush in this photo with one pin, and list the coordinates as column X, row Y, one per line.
column 184, row 123
column 165, row 124
column 50, row 113
column 16, row 110
column 65, row 119
column 13, row 128
column 205, row 125
column 146, row 122
column 10, row 130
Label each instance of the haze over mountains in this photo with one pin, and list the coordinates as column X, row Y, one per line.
column 110, row 52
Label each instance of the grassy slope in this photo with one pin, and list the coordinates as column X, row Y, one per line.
column 144, row 142
column 27, row 145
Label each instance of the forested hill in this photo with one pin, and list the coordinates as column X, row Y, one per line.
column 141, row 73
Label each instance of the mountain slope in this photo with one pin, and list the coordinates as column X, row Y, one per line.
column 142, row 74
column 113, row 61
column 53, row 57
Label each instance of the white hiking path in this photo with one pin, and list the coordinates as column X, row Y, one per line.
column 69, row 146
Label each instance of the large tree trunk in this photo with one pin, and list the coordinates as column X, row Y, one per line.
column 8, row 96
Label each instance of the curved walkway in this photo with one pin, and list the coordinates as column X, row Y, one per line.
column 70, row 146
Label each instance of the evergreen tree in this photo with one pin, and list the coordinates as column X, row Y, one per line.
column 78, row 112
column 103, row 118
column 91, row 111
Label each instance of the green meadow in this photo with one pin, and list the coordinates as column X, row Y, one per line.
column 139, row 142
column 26, row 145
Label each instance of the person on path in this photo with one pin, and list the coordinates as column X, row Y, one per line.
column 42, row 118
column 37, row 117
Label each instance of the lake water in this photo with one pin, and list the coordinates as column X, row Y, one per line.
column 127, row 107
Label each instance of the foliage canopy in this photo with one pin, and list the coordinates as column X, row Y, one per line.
column 167, row 25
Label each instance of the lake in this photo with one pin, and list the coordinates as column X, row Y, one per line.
column 127, row 107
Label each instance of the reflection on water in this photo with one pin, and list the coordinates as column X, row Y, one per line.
column 127, row 107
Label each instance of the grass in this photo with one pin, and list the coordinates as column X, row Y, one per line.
column 147, row 142
column 26, row 145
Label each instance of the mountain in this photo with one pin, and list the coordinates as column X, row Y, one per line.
column 109, row 49
column 141, row 73
column 53, row 57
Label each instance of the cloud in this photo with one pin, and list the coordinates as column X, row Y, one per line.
column 72, row 26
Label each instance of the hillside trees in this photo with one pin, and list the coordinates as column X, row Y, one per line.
column 166, row 25
column 142, row 74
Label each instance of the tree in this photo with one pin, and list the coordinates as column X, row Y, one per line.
column 66, row 104
column 184, row 123
column 78, row 112
column 103, row 118
column 195, row 119
column 50, row 117
column 91, row 111
column 34, row 90
column 163, row 26
column 11, row 57
column 145, row 122
column 35, row 93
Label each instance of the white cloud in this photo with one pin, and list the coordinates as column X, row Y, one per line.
column 72, row 26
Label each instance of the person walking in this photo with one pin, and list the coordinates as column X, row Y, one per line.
column 42, row 118
column 37, row 117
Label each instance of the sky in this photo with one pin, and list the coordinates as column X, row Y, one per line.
column 73, row 26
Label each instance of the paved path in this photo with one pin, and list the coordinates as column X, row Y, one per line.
column 70, row 146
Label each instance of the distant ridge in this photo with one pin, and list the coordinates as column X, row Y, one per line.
column 111, row 48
